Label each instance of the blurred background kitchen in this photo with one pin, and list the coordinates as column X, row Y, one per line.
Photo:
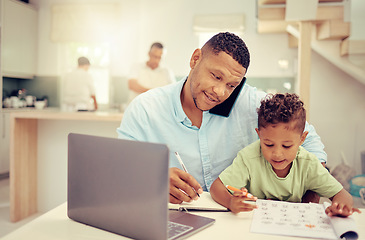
column 40, row 40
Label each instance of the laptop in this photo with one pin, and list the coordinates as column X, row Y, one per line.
column 121, row 186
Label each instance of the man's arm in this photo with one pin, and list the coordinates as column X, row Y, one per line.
column 314, row 144
column 95, row 102
column 182, row 186
column 136, row 87
column 133, row 127
column 310, row 196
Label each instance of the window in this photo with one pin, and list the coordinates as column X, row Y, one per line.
column 85, row 29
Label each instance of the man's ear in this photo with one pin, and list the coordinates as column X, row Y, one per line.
column 195, row 57
column 302, row 138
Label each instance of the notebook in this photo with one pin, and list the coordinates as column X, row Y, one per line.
column 121, row 186
column 204, row 203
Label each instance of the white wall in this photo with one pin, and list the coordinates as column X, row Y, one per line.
column 143, row 22
column 357, row 20
column 52, row 156
column 337, row 109
column 337, row 104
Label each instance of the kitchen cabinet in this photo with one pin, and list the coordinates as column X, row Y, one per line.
column 5, row 140
column 19, row 39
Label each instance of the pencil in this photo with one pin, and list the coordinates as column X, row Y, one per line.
column 246, row 194
column 184, row 168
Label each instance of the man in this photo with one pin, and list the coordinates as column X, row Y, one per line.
column 79, row 89
column 150, row 74
column 207, row 118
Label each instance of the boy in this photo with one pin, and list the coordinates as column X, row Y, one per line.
column 277, row 167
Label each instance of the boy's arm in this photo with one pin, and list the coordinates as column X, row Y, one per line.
column 234, row 202
column 342, row 204
column 220, row 194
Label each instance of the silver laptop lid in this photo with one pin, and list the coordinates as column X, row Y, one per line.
column 112, row 186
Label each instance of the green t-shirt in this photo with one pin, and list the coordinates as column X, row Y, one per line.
column 250, row 170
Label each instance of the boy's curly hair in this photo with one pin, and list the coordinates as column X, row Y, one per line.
column 282, row 108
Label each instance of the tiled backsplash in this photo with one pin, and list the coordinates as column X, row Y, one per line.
column 50, row 87
column 39, row 87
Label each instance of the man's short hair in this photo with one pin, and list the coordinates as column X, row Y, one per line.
column 282, row 108
column 83, row 61
column 230, row 44
column 156, row 45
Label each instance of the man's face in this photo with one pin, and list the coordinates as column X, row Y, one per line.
column 213, row 78
column 155, row 55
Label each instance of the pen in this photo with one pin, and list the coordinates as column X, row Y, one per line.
column 246, row 194
column 184, row 168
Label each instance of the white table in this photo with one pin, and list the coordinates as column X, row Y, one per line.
column 56, row 225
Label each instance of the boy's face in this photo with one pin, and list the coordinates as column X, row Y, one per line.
column 279, row 145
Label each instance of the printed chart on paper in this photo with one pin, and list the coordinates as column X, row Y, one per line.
column 292, row 219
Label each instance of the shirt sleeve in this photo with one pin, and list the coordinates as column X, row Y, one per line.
column 314, row 144
column 237, row 174
column 133, row 122
column 321, row 181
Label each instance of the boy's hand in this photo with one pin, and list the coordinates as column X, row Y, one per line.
column 339, row 209
column 237, row 203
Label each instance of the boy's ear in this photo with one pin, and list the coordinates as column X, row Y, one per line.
column 302, row 138
column 258, row 132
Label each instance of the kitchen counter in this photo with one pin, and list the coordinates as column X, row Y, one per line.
column 60, row 115
column 30, row 109
column 24, row 149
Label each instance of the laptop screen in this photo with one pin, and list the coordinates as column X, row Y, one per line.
column 118, row 185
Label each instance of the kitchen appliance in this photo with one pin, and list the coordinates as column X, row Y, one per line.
column 40, row 104
column 30, row 100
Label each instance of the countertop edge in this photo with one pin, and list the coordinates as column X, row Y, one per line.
column 59, row 115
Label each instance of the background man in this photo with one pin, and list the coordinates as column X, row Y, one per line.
column 150, row 74
column 79, row 89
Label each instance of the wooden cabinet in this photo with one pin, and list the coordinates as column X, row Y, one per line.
column 4, row 146
column 19, row 39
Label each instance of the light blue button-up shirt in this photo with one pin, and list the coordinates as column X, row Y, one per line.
column 157, row 116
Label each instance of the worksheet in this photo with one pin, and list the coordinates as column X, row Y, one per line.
column 299, row 219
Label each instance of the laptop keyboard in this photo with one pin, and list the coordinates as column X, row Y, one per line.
column 176, row 229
